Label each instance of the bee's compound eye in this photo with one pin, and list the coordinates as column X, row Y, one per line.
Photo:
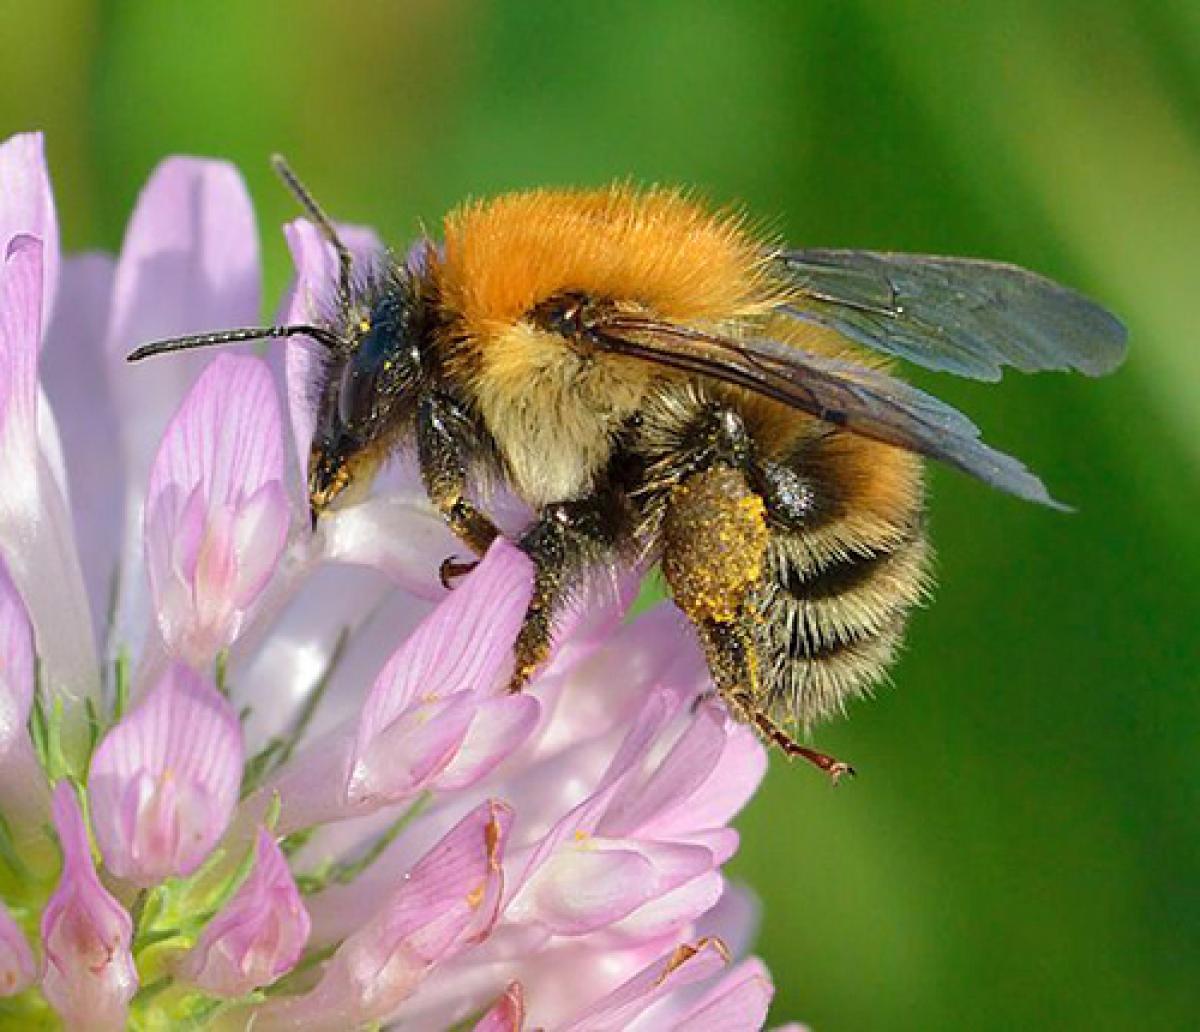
column 358, row 393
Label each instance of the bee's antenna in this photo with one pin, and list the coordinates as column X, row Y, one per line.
column 239, row 336
column 323, row 221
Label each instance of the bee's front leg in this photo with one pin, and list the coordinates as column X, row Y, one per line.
column 444, row 440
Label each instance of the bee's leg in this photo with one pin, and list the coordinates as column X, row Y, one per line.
column 714, row 539
column 444, row 433
column 568, row 539
column 729, row 649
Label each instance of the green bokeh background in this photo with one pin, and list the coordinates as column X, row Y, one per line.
column 1022, row 847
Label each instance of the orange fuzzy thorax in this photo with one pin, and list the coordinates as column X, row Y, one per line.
column 656, row 247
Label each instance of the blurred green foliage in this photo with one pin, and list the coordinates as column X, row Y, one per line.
column 1022, row 847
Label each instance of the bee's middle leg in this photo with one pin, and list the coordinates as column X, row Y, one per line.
column 568, row 539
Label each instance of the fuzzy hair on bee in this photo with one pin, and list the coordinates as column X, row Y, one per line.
column 658, row 384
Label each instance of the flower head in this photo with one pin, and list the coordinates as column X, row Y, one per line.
column 286, row 783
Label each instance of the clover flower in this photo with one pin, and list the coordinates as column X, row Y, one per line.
column 252, row 775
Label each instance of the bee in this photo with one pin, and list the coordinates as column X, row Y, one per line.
column 659, row 384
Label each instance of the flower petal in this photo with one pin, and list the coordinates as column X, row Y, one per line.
column 73, row 368
column 670, row 912
column 737, row 1003
column 621, row 1008
column 400, row 534
column 189, row 263
column 727, row 788
column 21, row 278
column 28, row 204
column 35, row 528
column 463, row 646
column 258, row 935
column 16, row 665
column 447, row 902
column 498, row 727
column 88, row 973
column 17, row 968
column 507, row 1014
column 217, row 513
column 673, row 781
column 24, row 798
column 164, row 780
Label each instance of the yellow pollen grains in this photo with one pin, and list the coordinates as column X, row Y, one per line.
column 715, row 539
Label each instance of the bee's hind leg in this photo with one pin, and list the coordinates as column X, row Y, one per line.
column 731, row 658
column 715, row 540
column 568, row 540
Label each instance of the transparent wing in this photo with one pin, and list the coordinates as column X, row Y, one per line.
column 841, row 393
column 956, row 315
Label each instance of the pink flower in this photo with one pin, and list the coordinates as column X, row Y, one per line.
column 164, row 781
column 304, row 771
column 216, row 511
column 258, row 935
column 17, row 967
column 89, row 975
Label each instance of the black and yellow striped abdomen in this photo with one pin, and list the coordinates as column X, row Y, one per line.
column 829, row 625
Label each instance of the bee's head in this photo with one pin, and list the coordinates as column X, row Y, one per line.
column 367, row 395
column 367, row 392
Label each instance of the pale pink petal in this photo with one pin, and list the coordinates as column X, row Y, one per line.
column 313, row 301
column 734, row 918
column 73, row 371
column 189, row 263
column 580, row 823
column 35, row 527
column 464, row 646
column 685, row 965
column 579, row 890
column 673, row 781
column 498, row 727
column 17, row 967
column 226, row 436
column 259, row 531
column 394, row 764
column 737, row 1003
column 507, row 1014
column 164, row 781
column 728, row 787
column 295, row 652
column 24, row 798
column 401, row 535
column 88, row 974
column 258, row 935
column 609, row 686
column 16, row 665
column 447, row 903
column 217, row 513
column 28, row 204
column 21, row 278
column 670, row 912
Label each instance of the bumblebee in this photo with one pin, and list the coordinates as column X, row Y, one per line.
column 658, row 384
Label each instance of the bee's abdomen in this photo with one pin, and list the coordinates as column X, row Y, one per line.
column 831, row 620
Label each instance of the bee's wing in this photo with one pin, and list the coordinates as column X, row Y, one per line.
column 843, row 394
column 956, row 315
